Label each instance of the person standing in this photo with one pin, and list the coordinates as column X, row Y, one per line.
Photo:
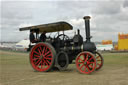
column 32, row 37
column 43, row 37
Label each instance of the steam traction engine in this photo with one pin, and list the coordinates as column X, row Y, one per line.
column 59, row 51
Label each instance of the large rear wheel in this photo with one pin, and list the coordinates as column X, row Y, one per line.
column 42, row 57
column 86, row 62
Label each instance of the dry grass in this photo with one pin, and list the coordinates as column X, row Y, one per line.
column 16, row 70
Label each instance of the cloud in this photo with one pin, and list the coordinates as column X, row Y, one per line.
column 20, row 13
column 107, row 7
column 125, row 4
column 108, row 17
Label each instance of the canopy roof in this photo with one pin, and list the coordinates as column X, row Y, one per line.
column 51, row 27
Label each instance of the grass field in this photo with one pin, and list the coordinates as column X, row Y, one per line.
column 15, row 69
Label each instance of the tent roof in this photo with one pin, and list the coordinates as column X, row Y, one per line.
column 23, row 43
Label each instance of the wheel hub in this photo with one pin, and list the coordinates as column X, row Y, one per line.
column 85, row 63
column 41, row 57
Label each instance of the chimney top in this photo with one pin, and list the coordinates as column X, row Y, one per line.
column 86, row 17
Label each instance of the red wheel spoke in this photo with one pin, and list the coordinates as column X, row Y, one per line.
column 98, row 64
column 86, row 58
column 37, row 61
column 43, row 50
column 39, row 51
column 36, row 52
column 49, row 58
column 48, row 55
column 81, row 59
column 45, row 62
column 36, row 56
column 97, row 57
column 48, row 62
column 91, row 63
column 46, row 49
column 90, row 59
column 85, row 68
column 41, row 64
column 88, row 68
column 81, row 66
column 91, row 66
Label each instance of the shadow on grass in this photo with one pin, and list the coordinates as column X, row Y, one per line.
column 55, row 69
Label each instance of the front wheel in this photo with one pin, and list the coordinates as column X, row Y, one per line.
column 86, row 62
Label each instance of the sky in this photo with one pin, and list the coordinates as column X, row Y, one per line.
column 108, row 17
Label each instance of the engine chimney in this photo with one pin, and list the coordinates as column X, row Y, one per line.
column 87, row 28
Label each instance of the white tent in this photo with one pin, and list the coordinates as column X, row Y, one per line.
column 104, row 47
column 22, row 44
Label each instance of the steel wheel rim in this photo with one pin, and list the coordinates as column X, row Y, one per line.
column 41, row 57
column 85, row 63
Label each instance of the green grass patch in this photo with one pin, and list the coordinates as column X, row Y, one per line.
column 116, row 58
column 15, row 69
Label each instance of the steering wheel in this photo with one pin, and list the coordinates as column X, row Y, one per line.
column 63, row 37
